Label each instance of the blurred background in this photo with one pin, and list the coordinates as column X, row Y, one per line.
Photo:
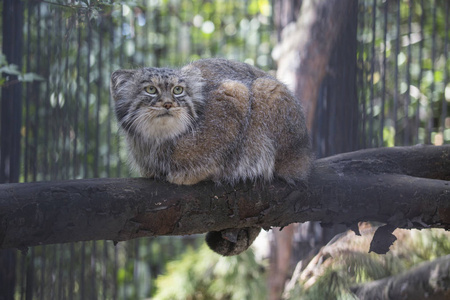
column 370, row 73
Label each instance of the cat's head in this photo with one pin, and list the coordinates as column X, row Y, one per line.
column 157, row 103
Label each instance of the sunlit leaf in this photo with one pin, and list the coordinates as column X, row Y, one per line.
column 29, row 77
column 10, row 69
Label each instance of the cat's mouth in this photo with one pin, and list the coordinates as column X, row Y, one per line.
column 165, row 114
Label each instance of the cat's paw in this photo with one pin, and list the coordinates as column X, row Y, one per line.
column 183, row 178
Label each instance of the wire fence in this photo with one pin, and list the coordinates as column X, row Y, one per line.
column 403, row 72
column 68, row 131
column 68, row 120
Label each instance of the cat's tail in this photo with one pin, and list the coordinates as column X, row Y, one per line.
column 230, row 242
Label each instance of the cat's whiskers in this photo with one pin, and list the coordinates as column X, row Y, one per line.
column 141, row 121
column 160, row 124
column 187, row 120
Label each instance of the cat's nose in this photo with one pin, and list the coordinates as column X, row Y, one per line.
column 168, row 105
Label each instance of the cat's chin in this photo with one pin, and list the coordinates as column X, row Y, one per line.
column 166, row 126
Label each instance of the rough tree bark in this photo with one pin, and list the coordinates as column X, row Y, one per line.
column 430, row 280
column 305, row 50
column 303, row 56
column 406, row 187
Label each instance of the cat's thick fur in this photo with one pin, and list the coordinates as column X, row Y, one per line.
column 231, row 122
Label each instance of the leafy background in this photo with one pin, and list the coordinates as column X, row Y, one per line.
column 69, row 131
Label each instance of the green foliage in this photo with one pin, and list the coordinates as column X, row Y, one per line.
column 203, row 274
column 69, row 129
column 415, row 77
column 12, row 69
column 332, row 285
column 428, row 245
column 346, row 262
column 86, row 9
column 142, row 259
column 76, row 45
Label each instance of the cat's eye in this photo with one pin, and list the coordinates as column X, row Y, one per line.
column 150, row 89
column 178, row 90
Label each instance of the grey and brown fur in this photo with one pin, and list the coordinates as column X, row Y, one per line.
column 232, row 122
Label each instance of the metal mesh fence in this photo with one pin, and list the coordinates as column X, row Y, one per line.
column 403, row 72
column 68, row 130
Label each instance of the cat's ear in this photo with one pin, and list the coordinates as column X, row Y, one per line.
column 195, row 81
column 120, row 80
column 190, row 71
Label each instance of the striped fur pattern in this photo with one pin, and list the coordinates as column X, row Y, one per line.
column 230, row 122
column 213, row 119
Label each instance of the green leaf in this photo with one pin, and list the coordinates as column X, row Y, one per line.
column 85, row 3
column 29, row 77
column 10, row 69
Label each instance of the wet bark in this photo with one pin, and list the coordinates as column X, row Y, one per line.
column 406, row 187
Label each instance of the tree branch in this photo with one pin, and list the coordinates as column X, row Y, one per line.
column 430, row 280
column 367, row 185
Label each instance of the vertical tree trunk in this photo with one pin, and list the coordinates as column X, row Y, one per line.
column 335, row 124
column 11, row 111
column 306, row 47
column 280, row 259
column 7, row 274
column 285, row 12
column 313, row 55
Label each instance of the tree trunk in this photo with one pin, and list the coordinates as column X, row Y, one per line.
column 304, row 60
column 11, row 115
column 404, row 187
column 303, row 55
column 280, row 260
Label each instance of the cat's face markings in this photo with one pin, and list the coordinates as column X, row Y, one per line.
column 164, row 88
column 155, row 102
